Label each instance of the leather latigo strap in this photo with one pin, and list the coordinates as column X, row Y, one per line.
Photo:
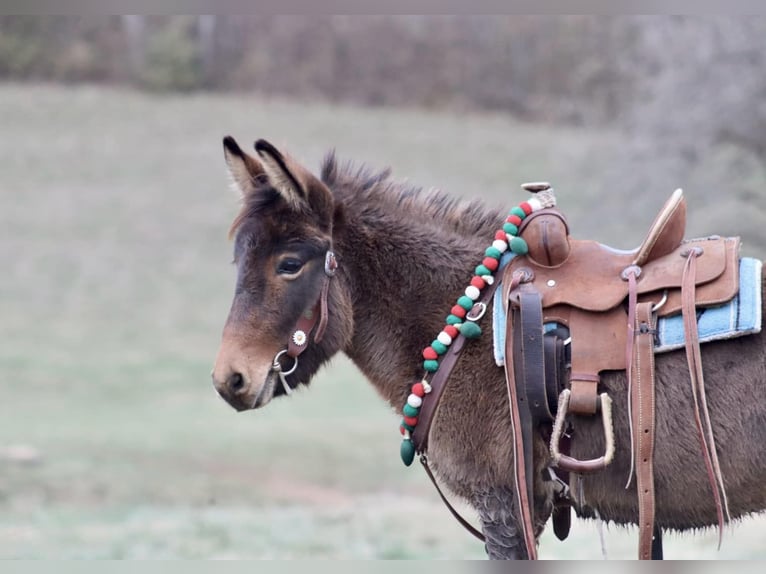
column 642, row 415
column 524, row 311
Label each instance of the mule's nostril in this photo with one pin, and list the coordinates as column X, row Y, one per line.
column 236, row 382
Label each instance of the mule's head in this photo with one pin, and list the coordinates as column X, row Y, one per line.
column 282, row 251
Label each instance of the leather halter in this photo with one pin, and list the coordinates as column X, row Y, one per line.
column 314, row 317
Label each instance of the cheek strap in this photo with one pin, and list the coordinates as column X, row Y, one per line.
column 316, row 316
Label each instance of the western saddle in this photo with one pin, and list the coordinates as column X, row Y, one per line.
column 576, row 308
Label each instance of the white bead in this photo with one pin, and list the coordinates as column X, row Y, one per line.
column 472, row 292
column 509, row 237
column 488, row 279
column 444, row 339
column 406, row 434
column 414, row 401
column 535, row 204
column 426, row 386
column 500, row 245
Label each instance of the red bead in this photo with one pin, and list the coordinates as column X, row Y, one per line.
column 526, row 207
column 418, row 390
column 458, row 311
column 478, row 282
column 515, row 219
column 402, row 429
column 429, row 354
column 500, row 234
column 451, row 330
column 490, row 263
column 412, row 421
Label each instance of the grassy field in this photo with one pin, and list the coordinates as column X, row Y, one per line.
column 114, row 287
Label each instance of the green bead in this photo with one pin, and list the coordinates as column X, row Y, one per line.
column 439, row 347
column 519, row 246
column 470, row 330
column 453, row 319
column 510, row 229
column 465, row 302
column 410, row 411
column 518, row 211
column 407, row 427
column 431, row 365
column 481, row 270
column 407, row 452
column 493, row 252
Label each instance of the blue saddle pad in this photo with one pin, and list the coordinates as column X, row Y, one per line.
column 739, row 317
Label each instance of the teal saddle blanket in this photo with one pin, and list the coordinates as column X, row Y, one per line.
column 739, row 317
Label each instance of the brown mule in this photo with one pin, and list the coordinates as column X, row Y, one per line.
column 403, row 255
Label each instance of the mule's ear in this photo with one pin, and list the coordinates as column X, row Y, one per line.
column 290, row 179
column 243, row 168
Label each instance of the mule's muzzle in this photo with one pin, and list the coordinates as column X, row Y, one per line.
column 238, row 391
column 232, row 390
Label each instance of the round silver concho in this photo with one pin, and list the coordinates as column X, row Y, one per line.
column 299, row 338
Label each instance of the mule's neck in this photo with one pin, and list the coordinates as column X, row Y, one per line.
column 404, row 274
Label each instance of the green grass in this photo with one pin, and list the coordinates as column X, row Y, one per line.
column 114, row 287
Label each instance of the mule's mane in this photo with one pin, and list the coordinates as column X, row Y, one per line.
column 361, row 185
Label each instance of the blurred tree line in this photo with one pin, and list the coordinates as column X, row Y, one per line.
column 573, row 69
column 539, row 68
column 687, row 93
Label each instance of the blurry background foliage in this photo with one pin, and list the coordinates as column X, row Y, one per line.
column 116, row 267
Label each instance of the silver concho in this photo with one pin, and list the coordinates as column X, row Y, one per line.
column 299, row 338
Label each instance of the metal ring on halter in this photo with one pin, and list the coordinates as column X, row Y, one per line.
column 276, row 366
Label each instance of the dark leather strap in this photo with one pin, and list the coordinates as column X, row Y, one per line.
column 524, row 311
column 555, row 373
column 439, row 381
column 463, row 522
column 323, row 313
column 642, row 403
column 531, row 358
column 562, row 511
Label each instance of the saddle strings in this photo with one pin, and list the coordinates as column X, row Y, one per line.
column 693, row 356
column 629, row 350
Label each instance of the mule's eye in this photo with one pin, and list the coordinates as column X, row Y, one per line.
column 289, row 266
